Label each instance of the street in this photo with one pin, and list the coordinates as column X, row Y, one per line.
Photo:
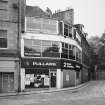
column 91, row 94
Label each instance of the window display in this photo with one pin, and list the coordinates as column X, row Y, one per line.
column 37, row 80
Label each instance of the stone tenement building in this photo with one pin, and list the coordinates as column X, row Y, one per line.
column 38, row 51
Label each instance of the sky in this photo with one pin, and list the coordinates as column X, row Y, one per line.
column 90, row 13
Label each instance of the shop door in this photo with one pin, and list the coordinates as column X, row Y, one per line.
column 53, row 78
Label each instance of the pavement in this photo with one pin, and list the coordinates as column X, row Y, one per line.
column 43, row 90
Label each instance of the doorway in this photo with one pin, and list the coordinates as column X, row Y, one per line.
column 53, row 78
column 6, row 82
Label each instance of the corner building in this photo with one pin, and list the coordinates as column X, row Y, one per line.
column 50, row 54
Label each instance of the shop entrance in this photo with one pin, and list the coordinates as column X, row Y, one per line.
column 52, row 78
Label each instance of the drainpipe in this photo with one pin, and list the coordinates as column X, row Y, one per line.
column 19, row 44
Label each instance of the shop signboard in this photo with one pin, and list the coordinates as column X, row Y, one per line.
column 40, row 63
column 66, row 64
column 72, row 65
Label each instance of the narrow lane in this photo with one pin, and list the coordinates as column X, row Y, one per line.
column 91, row 94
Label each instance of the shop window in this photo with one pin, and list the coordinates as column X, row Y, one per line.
column 35, row 78
column 3, row 38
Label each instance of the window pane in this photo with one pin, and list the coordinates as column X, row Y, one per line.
column 28, row 43
column 33, row 51
column 64, row 50
column 46, row 43
column 55, row 49
column 66, row 26
column 36, row 49
column 70, row 46
column 49, row 54
column 36, row 42
column 46, row 49
column 72, row 57
column 63, row 45
column 55, row 44
column 66, row 45
column 28, row 47
column 66, row 32
column 70, row 52
column 64, row 55
column 3, row 42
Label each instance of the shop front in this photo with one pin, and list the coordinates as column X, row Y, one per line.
column 39, row 73
column 49, row 73
column 71, row 73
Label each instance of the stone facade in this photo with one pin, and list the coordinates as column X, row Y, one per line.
column 9, row 61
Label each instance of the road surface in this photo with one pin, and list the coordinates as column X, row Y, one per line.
column 91, row 94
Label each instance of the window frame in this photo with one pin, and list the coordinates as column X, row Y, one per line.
column 68, row 28
column 4, row 38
